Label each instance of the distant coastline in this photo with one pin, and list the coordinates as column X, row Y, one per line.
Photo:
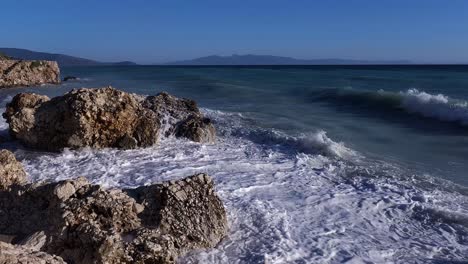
column 213, row 60
column 61, row 59
column 249, row 60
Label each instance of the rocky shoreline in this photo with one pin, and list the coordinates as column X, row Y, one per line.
column 74, row 221
column 15, row 73
column 77, row 222
column 104, row 117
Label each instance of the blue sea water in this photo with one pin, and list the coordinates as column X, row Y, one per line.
column 316, row 164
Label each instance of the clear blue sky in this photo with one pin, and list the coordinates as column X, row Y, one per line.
column 158, row 31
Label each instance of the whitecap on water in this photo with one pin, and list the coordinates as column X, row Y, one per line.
column 437, row 106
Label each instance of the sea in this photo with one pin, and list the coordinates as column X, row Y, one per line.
column 315, row 164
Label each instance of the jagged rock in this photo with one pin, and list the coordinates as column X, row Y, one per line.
column 83, row 223
column 102, row 118
column 96, row 118
column 70, row 78
column 11, row 170
column 26, row 73
column 166, row 104
column 27, row 100
column 196, row 128
column 21, row 111
column 14, row 254
column 35, row 241
column 178, row 116
column 187, row 214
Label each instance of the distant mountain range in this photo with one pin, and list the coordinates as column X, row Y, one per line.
column 250, row 59
column 63, row 60
column 275, row 60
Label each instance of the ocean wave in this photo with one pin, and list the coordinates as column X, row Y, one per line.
column 414, row 102
column 317, row 142
column 437, row 106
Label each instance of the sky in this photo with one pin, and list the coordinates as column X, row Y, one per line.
column 152, row 31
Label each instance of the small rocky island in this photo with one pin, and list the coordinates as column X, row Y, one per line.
column 14, row 73
column 74, row 221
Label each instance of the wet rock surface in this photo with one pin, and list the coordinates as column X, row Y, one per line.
column 196, row 128
column 11, row 171
column 104, row 117
column 15, row 73
column 84, row 223
column 177, row 116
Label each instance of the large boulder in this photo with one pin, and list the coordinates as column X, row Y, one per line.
column 27, row 73
column 97, row 118
column 176, row 116
column 104, row 117
column 11, row 170
column 84, row 223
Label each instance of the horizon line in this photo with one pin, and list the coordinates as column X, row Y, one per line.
column 175, row 62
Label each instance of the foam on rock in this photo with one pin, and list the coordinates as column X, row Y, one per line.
column 181, row 117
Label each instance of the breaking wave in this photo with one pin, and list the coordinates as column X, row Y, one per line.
column 419, row 103
column 437, row 106
column 310, row 143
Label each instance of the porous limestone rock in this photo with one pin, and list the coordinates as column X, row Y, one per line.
column 84, row 223
column 11, row 170
column 15, row 254
column 104, row 117
column 15, row 73
column 97, row 118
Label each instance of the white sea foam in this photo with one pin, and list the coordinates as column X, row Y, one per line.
column 3, row 124
column 437, row 106
column 311, row 143
column 289, row 199
column 5, row 100
column 319, row 141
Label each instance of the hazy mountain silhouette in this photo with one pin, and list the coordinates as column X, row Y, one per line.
column 251, row 59
column 63, row 60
